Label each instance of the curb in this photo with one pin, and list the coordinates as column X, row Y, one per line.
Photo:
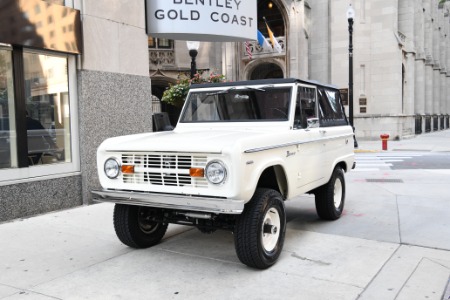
column 366, row 151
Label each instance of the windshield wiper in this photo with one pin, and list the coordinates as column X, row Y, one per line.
column 221, row 92
column 261, row 89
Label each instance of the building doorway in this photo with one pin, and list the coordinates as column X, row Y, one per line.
column 266, row 71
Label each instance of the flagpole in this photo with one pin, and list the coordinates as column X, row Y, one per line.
column 275, row 45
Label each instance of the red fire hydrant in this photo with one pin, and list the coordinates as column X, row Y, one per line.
column 384, row 141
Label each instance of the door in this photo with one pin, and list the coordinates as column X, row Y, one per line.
column 310, row 145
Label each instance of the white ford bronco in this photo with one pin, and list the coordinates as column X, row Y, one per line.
column 239, row 150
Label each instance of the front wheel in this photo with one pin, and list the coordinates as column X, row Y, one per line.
column 330, row 197
column 259, row 231
column 135, row 225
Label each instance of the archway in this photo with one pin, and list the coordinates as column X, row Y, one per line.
column 266, row 71
column 160, row 82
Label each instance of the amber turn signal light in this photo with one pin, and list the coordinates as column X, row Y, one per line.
column 128, row 169
column 197, row 172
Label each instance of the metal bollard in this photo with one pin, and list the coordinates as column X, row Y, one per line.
column 384, row 141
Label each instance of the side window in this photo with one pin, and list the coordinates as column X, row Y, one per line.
column 330, row 108
column 305, row 107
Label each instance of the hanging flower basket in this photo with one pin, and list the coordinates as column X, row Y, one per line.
column 176, row 93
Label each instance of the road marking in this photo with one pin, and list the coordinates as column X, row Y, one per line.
column 374, row 165
column 365, row 169
column 370, row 162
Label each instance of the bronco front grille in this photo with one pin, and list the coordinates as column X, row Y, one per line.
column 169, row 169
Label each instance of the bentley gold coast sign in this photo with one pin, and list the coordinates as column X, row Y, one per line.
column 202, row 20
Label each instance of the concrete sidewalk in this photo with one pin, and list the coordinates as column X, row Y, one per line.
column 391, row 243
column 438, row 141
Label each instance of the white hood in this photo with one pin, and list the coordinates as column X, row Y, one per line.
column 206, row 141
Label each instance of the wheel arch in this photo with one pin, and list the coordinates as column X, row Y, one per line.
column 338, row 164
column 274, row 177
column 342, row 165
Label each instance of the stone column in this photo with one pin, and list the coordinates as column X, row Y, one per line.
column 297, row 63
column 409, row 84
column 443, row 94
column 419, row 86
column 406, row 26
column 447, row 50
column 447, row 94
column 428, row 48
column 444, row 59
column 436, row 64
column 231, row 58
column 319, row 58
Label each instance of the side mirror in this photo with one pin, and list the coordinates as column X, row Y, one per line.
column 161, row 122
column 313, row 122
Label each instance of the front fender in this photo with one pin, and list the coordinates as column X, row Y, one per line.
column 254, row 166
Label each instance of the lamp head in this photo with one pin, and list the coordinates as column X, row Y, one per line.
column 350, row 12
column 193, row 45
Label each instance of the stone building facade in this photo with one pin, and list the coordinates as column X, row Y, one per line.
column 401, row 58
column 82, row 89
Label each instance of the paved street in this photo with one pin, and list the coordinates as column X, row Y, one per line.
column 391, row 243
column 402, row 161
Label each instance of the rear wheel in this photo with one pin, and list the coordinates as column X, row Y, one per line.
column 330, row 197
column 135, row 227
column 260, row 230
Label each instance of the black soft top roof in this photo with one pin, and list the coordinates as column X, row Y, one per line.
column 261, row 82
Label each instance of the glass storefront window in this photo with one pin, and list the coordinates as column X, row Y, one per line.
column 47, row 108
column 8, row 146
column 38, row 113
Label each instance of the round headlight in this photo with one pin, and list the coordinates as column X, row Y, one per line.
column 216, row 172
column 112, row 168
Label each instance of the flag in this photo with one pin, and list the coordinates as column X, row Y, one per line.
column 274, row 42
column 248, row 50
column 263, row 42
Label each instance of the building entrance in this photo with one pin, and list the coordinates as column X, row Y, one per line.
column 267, row 70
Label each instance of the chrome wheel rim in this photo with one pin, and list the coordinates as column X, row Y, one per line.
column 271, row 229
column 337, row 193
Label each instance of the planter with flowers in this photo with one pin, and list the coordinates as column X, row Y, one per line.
column 176, row 93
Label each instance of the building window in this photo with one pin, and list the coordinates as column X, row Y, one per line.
column 157, row 43
column 8, row 159
column 48, row 110
column 151, row 42
column 44, row 142
column 164, row 44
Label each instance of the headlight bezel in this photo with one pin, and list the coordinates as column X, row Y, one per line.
column 117, row 168
column 223, row 169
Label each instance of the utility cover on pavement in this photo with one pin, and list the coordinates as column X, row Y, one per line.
column 384, row 180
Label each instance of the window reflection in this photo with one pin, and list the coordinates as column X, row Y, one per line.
column 8, row 157
column 305, row 111
column 47, row 105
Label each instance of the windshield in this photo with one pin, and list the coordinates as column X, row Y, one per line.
column 238, row 105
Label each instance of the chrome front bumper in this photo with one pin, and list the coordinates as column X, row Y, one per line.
column 170, row 201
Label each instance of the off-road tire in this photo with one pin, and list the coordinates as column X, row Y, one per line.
column 134, row 229
column 254, row 247
column 330, row 197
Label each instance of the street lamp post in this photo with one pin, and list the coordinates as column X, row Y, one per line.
column 350, row 17
column 193, row 51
